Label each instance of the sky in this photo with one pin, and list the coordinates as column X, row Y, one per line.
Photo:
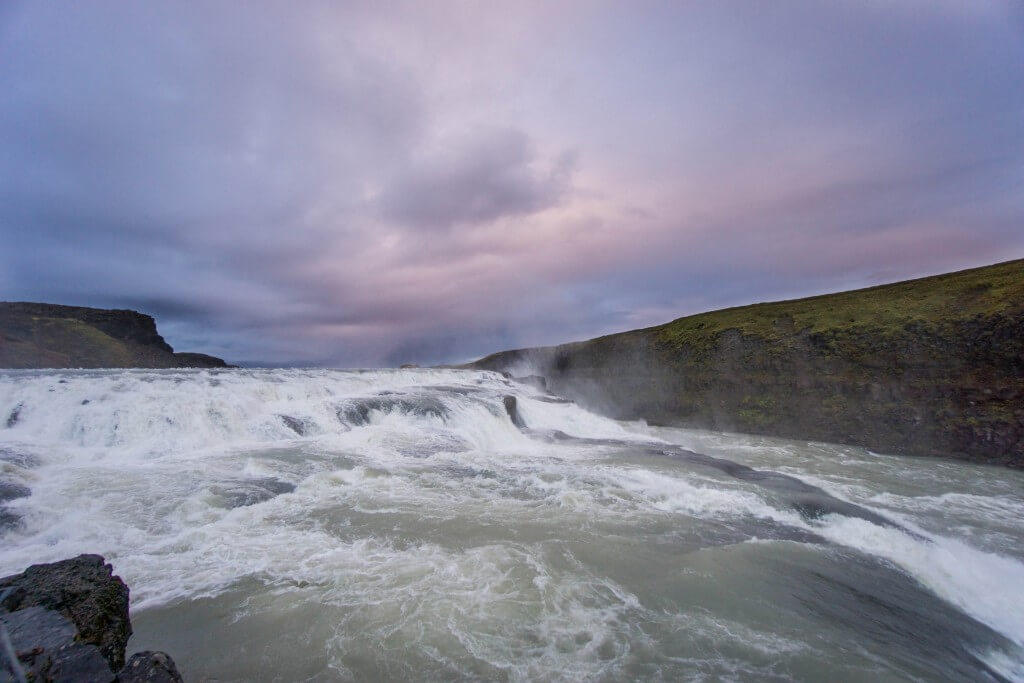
column 374, row 183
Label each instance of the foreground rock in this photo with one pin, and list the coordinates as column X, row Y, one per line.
column 933, row 366
column 48, row 648
column 84, row 590
column 149, row 667
column 68, row 621
column 36, row 335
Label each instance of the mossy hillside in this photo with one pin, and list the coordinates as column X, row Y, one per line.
column 34, row 335
column 923, row 359
column 92, row 347
column 937, row 304
column 933, row 366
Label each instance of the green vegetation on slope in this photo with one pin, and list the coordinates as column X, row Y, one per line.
column 933, row 366
column 940, row 301
column 34, row 335
column 53, row 339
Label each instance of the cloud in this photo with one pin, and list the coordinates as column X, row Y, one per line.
column 488, row 176
column 348, row 185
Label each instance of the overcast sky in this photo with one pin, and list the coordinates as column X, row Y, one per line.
column 363, row 184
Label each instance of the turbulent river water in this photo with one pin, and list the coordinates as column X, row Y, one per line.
column 368, row 525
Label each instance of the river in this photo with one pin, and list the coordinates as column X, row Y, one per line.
column 396, row 525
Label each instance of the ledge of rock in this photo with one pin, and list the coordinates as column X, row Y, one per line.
column 40, row 335
column 512, row 408
column 149, row 667
column 68, row 621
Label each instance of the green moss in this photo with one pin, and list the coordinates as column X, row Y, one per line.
column 929, row 366
column 761, row 403
column 886, row 311
column 91, row 345
column 52, row 340
column 757, row 412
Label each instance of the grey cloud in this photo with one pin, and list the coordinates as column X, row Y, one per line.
column 177, row 154
column 491, row 175
column 289, row 184
column 183, row 117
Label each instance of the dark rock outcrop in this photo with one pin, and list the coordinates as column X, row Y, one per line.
column 149, row 667
column 85, row 591
column 120, row 324
column 512, row 408
column 38, row 335
column 187, row 359
column 933, row 366
column 294, row 424
column 68, row 621
column 356, row 412
column 48, row 648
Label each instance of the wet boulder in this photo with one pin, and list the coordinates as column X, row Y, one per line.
column 48, row 648
column 356, row 412
column 84, row 590
column 68, row 622
column 149, row 667
column 512, row 408
column 294, row 424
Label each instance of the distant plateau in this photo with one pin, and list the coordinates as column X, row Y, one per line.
column 37, row 335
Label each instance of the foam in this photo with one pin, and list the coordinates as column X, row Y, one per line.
column 127, row 464
column 980, row 584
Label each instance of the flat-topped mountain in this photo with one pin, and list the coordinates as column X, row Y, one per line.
column 36, row 335
column 933, row 366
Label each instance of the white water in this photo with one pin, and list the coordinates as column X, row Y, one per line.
column 429, row 537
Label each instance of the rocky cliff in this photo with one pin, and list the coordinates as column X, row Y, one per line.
column 68, row 622
column 35, row 335
column 933, row 366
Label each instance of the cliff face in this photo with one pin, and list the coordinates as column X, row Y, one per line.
column 933, row 366
column 36, row 335
column 69, row 621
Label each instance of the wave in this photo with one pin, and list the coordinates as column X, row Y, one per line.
column 190, row 481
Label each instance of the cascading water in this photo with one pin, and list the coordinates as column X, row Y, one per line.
column 316, row 525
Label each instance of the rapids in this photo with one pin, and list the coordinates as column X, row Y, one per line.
column 395, row 524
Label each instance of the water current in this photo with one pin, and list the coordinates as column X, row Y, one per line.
column 399, row 525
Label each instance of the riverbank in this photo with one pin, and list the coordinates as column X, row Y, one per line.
column 933, row 366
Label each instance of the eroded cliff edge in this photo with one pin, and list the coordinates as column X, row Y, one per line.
column 68, row 622
column 38, row 335
column 933, row 366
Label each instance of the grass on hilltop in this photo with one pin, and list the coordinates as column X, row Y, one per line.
column 885, row 310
